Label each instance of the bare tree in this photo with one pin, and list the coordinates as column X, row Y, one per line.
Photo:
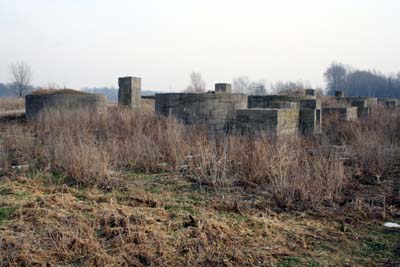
column 257, row 88
column 197, row 84
column 21, row 76
column 241, row 85
column 335, row 77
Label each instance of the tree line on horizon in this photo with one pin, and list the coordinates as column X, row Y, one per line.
column 356, row 82
column 338, row 77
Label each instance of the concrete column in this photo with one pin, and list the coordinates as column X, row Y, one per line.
column 339, row 93
column 129, row 93
column 310, row 92
column 223, row 88
column 310, row 116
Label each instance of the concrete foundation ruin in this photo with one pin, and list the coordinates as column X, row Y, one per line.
column 391, row 103
column 346, row 114
column 281, row 115
column 221, row 111
column 275, row 122
column 41, row 100
column 364, row 105
column 224, row 112
column 223, row 88
column 216, row 110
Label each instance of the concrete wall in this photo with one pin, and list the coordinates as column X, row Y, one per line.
column 347, row 114
column 273, row 101
column 276, row 122
column 310, row 104
column 217, row 110
column 392, row 103
column 223, row 88
column 310, row 116
column 310, row 92
column 36, row 103
column 339, row 94
column 310, row 121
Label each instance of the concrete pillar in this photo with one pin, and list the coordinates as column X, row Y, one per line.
column 310, row 104
column 223, row 88
column 129, row 93
column 339, row 93
column 310, row 92
column 310, row 116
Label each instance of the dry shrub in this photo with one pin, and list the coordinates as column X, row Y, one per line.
column 132, row 141
column 370, row 142
column 84, row 163
column 19, row 149
column 296, row 171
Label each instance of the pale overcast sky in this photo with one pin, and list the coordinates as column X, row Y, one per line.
column 79, row 43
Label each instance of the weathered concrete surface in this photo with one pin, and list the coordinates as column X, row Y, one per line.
column 364, row 105
column 216, row 110
column 364, row 102
column 310, row 121
column 276, row 122
column 347, row 114
column 310, row 92
column 274, row 101
column 392, row 103
column 36, row 103
column 339, row 94
column 310, row 104
column 223, row 88
column 129, row 93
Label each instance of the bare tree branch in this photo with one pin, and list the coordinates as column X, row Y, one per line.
column 197, row 84
column 21, row 76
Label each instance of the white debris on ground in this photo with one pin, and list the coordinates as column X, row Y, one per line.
column 392, row 225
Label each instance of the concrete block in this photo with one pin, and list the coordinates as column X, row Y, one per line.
column 347, row 114
column 310, row 92
column 339, row 93
column 310, row 104
column 67, row 99
column 217, row 111
column 273, row 101
column 364, row 112
column 129, row 93
column 391, row 103
column 223, row 88
column 277, row 122
column 310, row 121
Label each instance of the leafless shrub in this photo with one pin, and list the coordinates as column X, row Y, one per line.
column 294, row 171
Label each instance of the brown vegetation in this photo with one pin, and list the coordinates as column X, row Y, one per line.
column 91, row 198
column 57, row 92
column 7, row 104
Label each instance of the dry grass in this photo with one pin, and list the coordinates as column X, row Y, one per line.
column 50, row 91
column 297, row 172
column 90, row 198
column 11, row 104
column 162, row 221
column 84, row 146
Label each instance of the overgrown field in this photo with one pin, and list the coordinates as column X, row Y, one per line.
column 7, row 104
column 126, row 189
